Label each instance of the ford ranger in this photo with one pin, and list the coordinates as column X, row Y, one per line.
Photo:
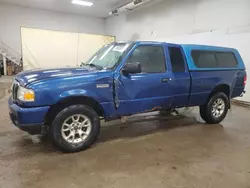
column 123, row 79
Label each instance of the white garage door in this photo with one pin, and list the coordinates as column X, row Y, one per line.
column 50, row 49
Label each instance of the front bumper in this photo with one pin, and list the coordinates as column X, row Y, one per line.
column 30, row 120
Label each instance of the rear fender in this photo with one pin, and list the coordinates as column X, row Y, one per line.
column 225, row 88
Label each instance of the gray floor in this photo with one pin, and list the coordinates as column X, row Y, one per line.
column 150, row 150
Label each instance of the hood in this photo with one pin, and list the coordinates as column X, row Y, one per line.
column 28, row 77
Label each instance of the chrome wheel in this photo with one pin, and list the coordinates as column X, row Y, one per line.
column 76, row 129
column 218, row 107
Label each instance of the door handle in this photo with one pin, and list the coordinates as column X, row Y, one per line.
column 165, row 80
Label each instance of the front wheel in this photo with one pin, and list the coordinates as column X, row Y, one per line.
column 75, row 128
column 215, row 110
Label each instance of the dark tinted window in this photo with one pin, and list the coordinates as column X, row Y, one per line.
column 226, row 60
column 204, row 59
column 152, row 58
column 207, row 59
column 177, row 59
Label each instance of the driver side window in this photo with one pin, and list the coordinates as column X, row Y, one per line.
column 151, row 58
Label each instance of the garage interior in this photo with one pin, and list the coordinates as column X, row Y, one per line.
column 148, row 150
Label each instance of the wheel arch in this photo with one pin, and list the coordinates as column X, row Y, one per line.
column 224, row 88
column 73, row 100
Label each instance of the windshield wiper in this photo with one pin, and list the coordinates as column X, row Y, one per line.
column 96, row 66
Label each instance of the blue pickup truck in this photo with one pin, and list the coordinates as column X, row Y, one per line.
column 123, row 79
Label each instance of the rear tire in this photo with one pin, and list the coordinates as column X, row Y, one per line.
column 75, row 128
column 215, row 110
column 203, row 113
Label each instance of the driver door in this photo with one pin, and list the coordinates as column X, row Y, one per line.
column 146, row 91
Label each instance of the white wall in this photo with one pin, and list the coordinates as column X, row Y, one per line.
column 13, row 17
column 214, row 22
column 179, row 17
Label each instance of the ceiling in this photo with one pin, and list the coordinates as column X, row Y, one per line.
column 100, row 9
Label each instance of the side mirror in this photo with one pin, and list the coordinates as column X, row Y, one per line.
column 132, row 68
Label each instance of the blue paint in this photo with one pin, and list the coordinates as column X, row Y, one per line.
column 28, row 116
column 126, row 95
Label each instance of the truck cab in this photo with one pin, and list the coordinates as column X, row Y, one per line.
column 123, row 79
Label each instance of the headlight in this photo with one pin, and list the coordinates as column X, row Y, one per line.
column 26, row 95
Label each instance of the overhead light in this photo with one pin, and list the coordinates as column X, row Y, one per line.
column 136, row 2
column 128, row 7
column 114, row 12
column 83, row 3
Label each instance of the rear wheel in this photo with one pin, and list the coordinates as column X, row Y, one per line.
column 75, row 128
column 216, row 108
column 203, row 113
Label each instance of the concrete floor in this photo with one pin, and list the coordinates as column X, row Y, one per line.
column 150, row 150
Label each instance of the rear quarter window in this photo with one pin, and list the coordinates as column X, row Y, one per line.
column 226, row 60
column 212, row 59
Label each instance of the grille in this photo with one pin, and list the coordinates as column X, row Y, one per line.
column 15, row 87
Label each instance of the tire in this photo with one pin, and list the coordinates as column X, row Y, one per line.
column 203, row 113
column 61, row 124
column 208, row 112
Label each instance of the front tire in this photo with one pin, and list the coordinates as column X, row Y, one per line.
column 215, row 110
column 75, row 128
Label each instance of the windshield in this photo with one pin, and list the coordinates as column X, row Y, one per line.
column 108, row 56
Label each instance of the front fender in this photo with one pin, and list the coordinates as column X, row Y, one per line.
column 103, row 98
column 78, row 93
column 50, row 92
